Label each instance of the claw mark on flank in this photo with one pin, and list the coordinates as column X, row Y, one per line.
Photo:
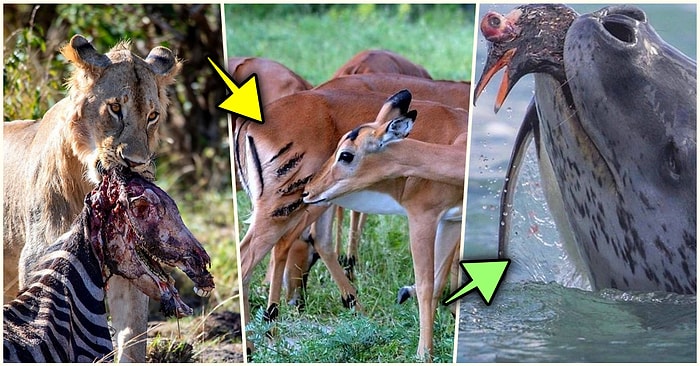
column 295, row 186
column 282, row 151
column 288, row 209
column 294, row 161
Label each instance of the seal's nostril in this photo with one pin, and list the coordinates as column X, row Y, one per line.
column 305, row 194
column 622, row 31
column 629, row 11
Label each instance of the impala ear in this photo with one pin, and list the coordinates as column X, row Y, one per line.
column 398, row 128
column 394, row 107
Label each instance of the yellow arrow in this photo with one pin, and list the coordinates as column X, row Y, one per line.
column 245, row 100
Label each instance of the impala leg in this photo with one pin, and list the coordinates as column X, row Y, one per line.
column 339, row 216
column 261, row 237
column 324, row 247
column 446, row 248
column 454, row 277
column 422, row 228
column 253, row 247
column 278, row 261
column 296, row 272
column 357, row 222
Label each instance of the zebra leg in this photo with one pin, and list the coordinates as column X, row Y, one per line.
column 128, row 307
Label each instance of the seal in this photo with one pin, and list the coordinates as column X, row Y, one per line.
column 614, row 122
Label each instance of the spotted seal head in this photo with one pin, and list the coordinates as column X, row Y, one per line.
column 636, row 99
column 614, row 122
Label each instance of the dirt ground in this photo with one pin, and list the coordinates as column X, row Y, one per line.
column 214, row 338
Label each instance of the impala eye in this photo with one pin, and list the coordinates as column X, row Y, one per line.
column 346, row 157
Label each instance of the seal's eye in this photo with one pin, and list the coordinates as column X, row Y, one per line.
column 346, row 157
column 673, row 163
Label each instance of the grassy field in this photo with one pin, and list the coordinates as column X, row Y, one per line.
column 314, row 40
column 314, row 45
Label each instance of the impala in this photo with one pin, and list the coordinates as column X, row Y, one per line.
column 278, row 80
column 380, row 62
column 376, row 170
column 451, row 93
column 277, row 159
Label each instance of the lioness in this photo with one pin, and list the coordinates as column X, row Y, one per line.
column 110, row 117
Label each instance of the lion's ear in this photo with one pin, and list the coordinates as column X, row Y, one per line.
column 163, row 63
column 81, row 53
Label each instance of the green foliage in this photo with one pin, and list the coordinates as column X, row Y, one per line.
column 30, row 84
column 314, row 42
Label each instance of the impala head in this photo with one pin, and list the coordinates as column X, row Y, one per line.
column 357, row 162
column 529, row 39
column 138, row 228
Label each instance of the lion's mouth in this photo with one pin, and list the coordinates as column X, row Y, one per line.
column 146, row 170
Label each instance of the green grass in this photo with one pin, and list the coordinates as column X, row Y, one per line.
column 326, row 331
column 315, row 40
column 315, row 44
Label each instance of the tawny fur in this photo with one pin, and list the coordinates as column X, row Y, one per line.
column 110, row 117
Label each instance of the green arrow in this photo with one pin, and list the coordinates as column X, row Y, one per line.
column 486, row 276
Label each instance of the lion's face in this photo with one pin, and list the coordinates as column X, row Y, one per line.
column 119, row 100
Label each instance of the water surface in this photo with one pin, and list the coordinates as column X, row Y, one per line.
column 544, row 313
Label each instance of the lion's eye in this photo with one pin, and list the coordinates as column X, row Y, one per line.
column 153, row 117
column 115, row 109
